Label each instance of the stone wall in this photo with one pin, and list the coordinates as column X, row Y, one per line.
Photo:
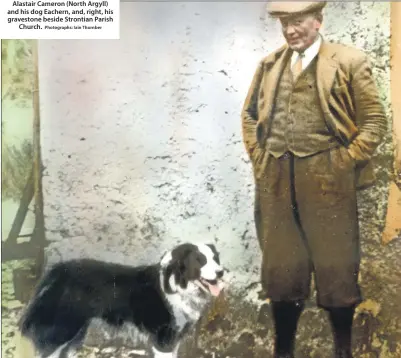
column 142, row 136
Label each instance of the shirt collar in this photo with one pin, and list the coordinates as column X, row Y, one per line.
column 309, row 54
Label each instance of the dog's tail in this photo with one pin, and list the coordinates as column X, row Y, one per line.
column 44, row 301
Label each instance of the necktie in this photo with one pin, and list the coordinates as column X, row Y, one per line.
column 297, row 68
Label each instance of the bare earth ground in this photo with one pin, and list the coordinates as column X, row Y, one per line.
column 238, row 328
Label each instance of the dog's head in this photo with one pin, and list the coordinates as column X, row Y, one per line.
column 190, row 267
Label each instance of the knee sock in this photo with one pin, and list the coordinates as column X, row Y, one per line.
column 341, row 322
column 286, row 316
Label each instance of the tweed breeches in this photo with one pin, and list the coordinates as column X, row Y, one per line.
column 307, row 223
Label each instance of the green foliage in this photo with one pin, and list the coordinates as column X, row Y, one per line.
column 17, row 70
column 16, row 164
column 17, row 81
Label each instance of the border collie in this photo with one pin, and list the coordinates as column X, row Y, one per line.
column 162, row 301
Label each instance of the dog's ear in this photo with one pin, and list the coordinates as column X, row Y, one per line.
column 177, row 271
column 188, row 268
column 185, row 265
column 193, row 263
column 181, row 273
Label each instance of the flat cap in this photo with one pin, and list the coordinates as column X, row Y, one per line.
column 291, row 8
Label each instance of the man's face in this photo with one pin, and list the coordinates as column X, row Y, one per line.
column 300, row 31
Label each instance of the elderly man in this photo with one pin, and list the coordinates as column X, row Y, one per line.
column 311, row 122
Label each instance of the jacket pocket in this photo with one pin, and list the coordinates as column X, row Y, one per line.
column 256, row 155
column 342, row 169
column 347, row 158
column 259, row 158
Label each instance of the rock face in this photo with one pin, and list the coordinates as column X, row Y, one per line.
column 142, row 147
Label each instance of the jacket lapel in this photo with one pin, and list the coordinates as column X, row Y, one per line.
column 272, row 77
column 326, row 72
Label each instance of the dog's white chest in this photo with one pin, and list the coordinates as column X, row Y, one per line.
column 184, row 310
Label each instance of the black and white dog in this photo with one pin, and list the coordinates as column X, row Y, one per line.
column 163, row 301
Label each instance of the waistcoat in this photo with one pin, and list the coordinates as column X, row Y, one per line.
column 297, row 123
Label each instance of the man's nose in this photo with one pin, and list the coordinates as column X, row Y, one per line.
column 289, row 30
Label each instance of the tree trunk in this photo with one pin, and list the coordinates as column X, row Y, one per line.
column 38, row 237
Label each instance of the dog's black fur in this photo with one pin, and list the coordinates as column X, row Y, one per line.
column 72, row 293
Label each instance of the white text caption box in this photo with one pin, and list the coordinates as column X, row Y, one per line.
column 44, row 19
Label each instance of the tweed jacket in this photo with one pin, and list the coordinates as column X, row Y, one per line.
column 348, row 95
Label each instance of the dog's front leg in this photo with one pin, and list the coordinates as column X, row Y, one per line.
column 175, row 351
column 158, row 354
column 166, row 342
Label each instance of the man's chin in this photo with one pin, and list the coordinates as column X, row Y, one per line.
column 296, row 46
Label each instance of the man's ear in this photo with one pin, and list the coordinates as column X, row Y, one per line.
column 319, row 20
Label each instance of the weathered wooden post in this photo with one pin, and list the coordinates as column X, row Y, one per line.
column 392, row 228
column 39, row 232
column 25, row 278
